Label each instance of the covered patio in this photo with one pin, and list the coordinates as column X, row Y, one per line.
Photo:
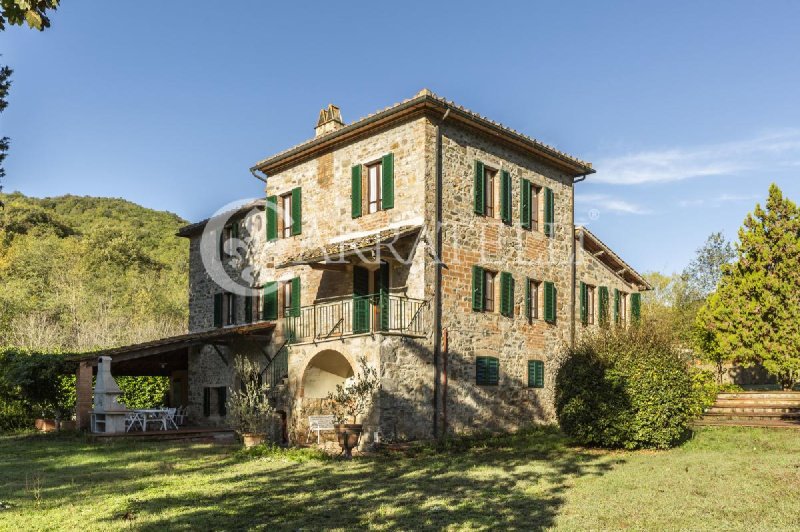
column 167, row 357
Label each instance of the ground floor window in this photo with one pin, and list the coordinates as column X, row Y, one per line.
column 487, row 371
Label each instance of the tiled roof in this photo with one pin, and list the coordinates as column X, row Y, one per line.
column 422, row 97
column 190, row 229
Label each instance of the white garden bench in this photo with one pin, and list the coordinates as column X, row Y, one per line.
column 318, row 424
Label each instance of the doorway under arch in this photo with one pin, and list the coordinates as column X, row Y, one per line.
column 324, row 371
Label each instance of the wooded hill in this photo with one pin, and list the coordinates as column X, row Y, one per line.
column 81, row 273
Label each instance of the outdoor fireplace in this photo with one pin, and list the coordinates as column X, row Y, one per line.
column 108, row 415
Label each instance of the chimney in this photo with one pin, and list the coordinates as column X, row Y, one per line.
column 330, row 119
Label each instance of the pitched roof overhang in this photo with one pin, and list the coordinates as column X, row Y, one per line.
column 425, row 103
column 611, row 260
column 369, row 246
column 191, row 229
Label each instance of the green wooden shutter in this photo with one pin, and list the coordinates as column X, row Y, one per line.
column 206, row 402
column 506, row 294
column 387, row 181
column 383, row 296
column 505, row 197
column 487, row 371
column 218, row 310
column 248, row 309
column 549, row 212
column 549, row 302
column 528, row 305
column 480, row 207
column 295, row 310
column 535, row 374
column 355, row 191
column 525, row 203
column 603, row 305
column 616, row 306
column 270, row 301
column 272, row 217
column 477, row 288
column 636, row 302
column 297, row 211
column 360, row 300
column 222, row 400
column 584, row 304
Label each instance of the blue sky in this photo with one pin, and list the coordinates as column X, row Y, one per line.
column 688, row 110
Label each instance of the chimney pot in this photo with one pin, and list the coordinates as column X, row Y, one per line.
column 330, row 119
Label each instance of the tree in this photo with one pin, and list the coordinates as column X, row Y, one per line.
column 32, row 12
column 702, row 275
column 706, row 338
column 5, row 84
column 756, row 316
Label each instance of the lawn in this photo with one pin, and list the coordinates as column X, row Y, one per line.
column 726, row 478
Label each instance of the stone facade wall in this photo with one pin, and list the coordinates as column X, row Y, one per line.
column 470, row 239
column 594, row 272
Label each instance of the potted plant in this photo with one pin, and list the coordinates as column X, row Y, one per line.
column 351, row 400
column 248, row 408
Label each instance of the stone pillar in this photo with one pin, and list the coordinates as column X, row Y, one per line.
column 83, row 385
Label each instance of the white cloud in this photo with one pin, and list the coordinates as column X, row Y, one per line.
column 777, row 149
column 606, row 203
column 719, row 200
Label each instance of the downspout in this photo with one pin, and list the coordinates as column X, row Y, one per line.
column 574, row 263
column 437, row 284
column 253, row 171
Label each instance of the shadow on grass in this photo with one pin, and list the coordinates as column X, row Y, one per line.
column 512, row 481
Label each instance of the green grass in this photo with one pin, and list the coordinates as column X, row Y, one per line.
column 723, row 478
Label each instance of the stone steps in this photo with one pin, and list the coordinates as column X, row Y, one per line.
column 754, row 409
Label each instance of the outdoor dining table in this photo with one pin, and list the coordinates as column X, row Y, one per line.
column 150, row 414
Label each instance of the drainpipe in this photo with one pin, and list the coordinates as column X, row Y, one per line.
column 574, row 263
column 253, row 171
column 437, row 285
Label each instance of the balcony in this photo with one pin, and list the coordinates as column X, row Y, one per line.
column 352, row 315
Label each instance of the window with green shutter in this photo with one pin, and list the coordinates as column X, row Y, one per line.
column 616, row 307
column 295, row 306
column 297, row 211
column 248, row 309
column 603, row 304
column 584, row 299
column 480, row 205
column 206, row 401
column 525, row 207
column 549, row 212
column 506, row 294
column 222, row 400
column 477, row 288
column 271, row 213
column 218, row 310
column 531, row 299
column 387, row 181
column 636, row 302
column 270, row 301
column 487, row 371
column 549, row 302
column 505, row 197
column 356, row 199
column 535, row 374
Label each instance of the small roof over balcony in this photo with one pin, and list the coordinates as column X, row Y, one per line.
column 612, row 261
column 373, row 243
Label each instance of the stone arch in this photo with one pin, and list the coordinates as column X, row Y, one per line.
column 323, row 372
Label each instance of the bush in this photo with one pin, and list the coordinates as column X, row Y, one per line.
column 627, row 388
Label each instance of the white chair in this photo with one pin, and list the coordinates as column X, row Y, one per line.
column 158, row 418
column 169, row 418
column 180, row 415
column 319, row 424
column 132, row 420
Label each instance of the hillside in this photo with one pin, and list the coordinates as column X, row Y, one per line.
column 79, row 273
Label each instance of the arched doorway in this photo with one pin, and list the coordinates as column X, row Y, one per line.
column 324, row 371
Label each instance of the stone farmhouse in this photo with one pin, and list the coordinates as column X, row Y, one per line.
column 438, row 245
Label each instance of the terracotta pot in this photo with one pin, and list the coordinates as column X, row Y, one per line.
column 348, row 435
column 46, row 425
column 251, row 439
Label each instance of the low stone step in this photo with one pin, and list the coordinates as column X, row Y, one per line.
column 753, row 409
column 758, row 402
column 777, row 424
column 752, row 416
column 760, row 395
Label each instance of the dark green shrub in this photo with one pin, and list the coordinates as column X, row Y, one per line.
column 626, row 388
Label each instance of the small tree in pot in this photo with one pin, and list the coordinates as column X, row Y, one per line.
column 350, row 400
column 249, row 411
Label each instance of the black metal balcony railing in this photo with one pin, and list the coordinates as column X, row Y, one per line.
column 358, row 315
